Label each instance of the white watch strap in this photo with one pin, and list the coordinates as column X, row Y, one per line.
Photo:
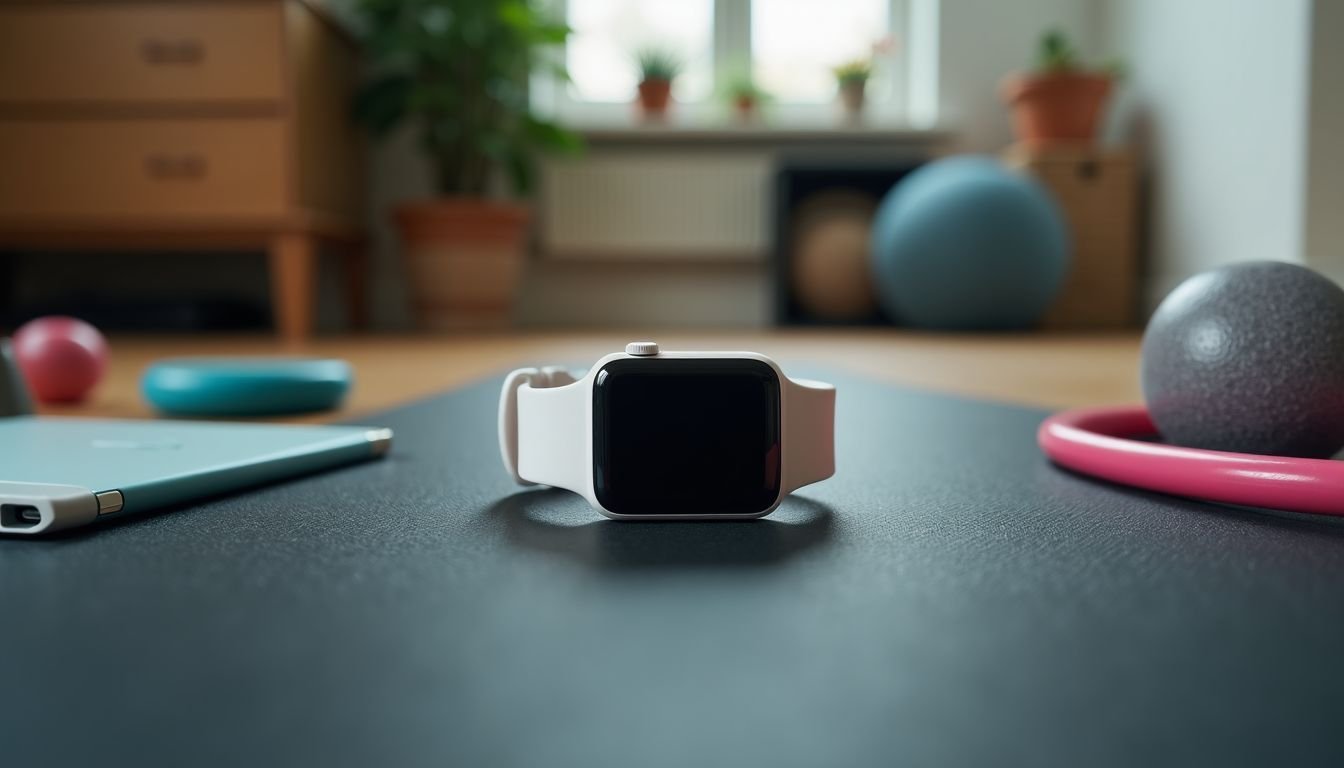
column 809, row 433
column 543, row 428
column 545, row 420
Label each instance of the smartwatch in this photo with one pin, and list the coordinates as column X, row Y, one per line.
column 650, row 435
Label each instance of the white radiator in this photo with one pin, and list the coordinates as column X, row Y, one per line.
column 636, row 206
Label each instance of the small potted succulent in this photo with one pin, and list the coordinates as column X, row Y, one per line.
column 658, row 67
column 852, row 78
column 1062, row 101
column 745, row 97
column 456, row 72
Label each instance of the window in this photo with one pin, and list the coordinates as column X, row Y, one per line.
column 608, row 34
column 796, row 43
column 788, row 46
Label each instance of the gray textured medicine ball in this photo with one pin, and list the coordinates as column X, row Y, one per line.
column 1249, row 358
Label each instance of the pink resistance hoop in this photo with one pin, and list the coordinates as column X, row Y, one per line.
column 1094, row 441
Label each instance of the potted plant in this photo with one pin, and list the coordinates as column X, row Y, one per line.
column 852, row 78
column 1062, row 101
column 457, row 71
column 746, row 97
column 657, row 69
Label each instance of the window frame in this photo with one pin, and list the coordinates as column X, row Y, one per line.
column 731, row 41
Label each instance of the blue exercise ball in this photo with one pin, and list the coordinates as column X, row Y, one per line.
column 965, row 244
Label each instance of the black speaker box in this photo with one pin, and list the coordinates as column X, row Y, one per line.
column 822, row 215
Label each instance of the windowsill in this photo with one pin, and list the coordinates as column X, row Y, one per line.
column 764, row 133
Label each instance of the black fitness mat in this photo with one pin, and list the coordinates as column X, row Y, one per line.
column 948, row 598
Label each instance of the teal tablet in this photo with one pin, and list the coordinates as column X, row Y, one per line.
column 60, row 473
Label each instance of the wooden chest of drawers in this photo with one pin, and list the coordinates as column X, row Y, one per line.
column 190, row 124
column 1097, row 192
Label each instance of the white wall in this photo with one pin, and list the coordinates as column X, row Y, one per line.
column 1216, row 103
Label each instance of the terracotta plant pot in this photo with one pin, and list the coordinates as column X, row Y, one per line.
column 464, row 260
column 852, row 97
column 745, row 106
column 1059, row 108
column 654, row 96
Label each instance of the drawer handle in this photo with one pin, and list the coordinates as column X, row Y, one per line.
column 175, row 167
column 185, row 51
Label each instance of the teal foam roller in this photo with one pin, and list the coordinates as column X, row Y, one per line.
column 245, row 386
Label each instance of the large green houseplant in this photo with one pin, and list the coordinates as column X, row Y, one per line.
column 457, row 72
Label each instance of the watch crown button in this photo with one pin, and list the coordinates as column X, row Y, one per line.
column 641, row 348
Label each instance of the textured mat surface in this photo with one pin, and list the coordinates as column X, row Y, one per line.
column 948, row 598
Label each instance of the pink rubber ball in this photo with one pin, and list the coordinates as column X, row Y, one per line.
column 62, row 358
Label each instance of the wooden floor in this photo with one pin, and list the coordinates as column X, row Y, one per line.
column 1043, row 370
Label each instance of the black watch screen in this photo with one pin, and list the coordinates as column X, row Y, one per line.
column 686, row 436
